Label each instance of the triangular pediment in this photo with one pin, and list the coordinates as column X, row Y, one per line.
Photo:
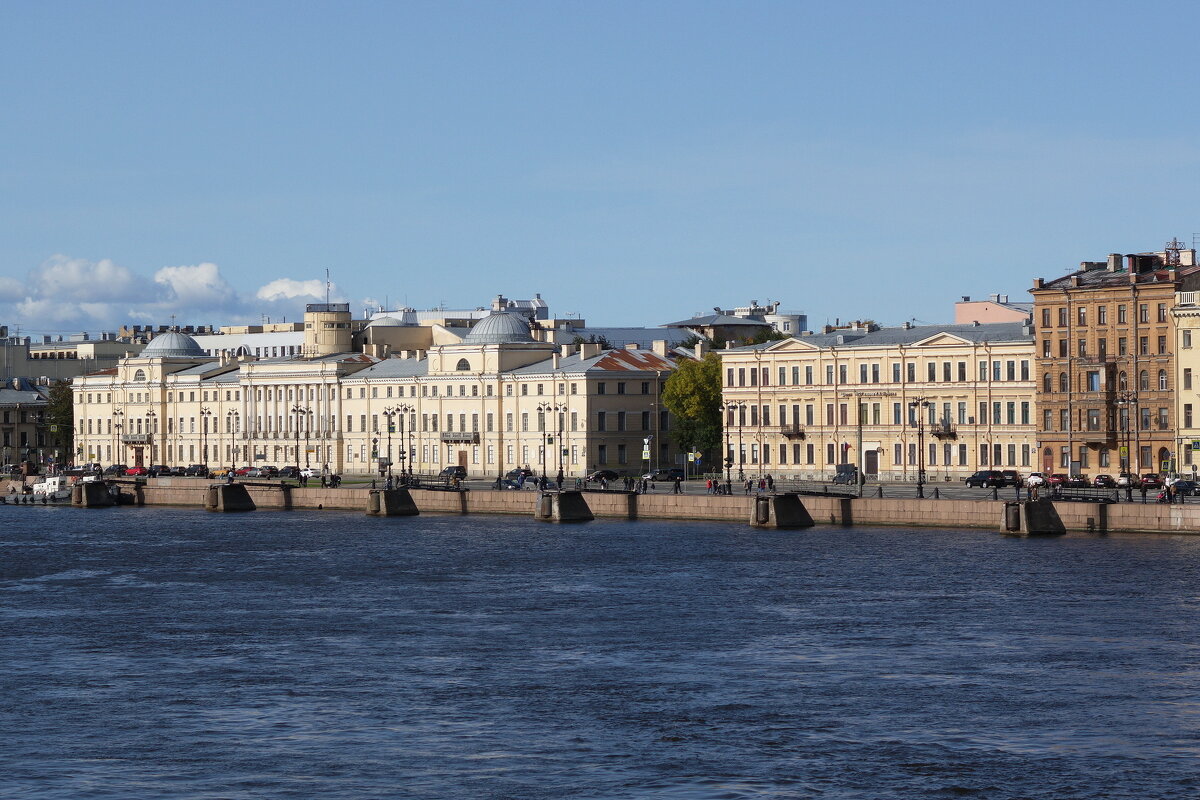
column 941, row 340
column 791, row 346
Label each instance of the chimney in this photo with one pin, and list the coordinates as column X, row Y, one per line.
column 1037, row 283
column 659, row 346
column 1003, row 298
column 632, row 346
column 554, row 361
column 567, row 350
column 1114, row 262
column 1131, row 263
column 966, row 298
column 589, row 350
column 995, row 298
column 702, row 348
column 1074, row 280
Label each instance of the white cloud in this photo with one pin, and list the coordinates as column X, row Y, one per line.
column 290, row 289
column 197, row 286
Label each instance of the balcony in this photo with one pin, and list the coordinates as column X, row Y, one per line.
column 943, row 430
column 792, row 431
column 460, row 437
column 136, row 438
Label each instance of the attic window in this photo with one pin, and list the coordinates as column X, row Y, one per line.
column 463, row 365
column 140, row 375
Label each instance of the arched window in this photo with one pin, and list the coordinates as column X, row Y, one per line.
column 140, row 375
column 1144, row 380
column 463, row 365
column 1048, row 383
column 1062, row 381
column 1162, row 379
column 1122, row 381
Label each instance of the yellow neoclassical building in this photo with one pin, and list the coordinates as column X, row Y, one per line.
column 1186, row 318
column 497, row 400
column 948, row 399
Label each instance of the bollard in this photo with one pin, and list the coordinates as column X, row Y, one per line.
column 936, row 496
column 995, row 492
column 879, row 490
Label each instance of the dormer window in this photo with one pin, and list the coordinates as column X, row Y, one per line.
column 463, row 365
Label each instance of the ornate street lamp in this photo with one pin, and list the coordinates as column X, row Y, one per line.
column 205, row 415
column 918, row 405
column 390, row 414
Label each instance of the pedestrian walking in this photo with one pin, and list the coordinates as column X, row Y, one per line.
column 678, row 488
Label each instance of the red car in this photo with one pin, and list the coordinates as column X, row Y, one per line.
column 1057, row 479
column 137, row 471
column 241, row 472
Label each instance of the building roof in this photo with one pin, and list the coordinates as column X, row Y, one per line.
column 499, row 328
column 1098, row 276
column 395, row 368
column 606, row 361
column 642, row 337
column 173, row 344
column 710, row 320
column 885, row 337
column 388, row 322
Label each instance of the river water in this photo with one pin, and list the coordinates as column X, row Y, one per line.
column 177, row 654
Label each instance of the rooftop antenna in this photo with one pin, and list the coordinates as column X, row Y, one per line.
column 327, row 286
column 1173, row 247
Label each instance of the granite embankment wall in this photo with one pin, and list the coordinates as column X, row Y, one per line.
column 912, row 512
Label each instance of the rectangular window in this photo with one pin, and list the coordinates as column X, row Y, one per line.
column 862, row 373
column 1048, row 420
column 1062, row 348
column 1025, row 412
column 874, row 373
column 1101, row 315
column 897, row 417
column 1187, row 415
column 601, row 421
column 1187, row 344
column 808, row 376
column 843, row 378
column 783, row 376
column 1081, row 316
column 897, row 455
column 1187, row 378
column 911, row 372
column 1143, row 312
column 1162, row 312
column 931, row 372
column 1062, row 318
column 1121, row 319
column 1093, row 380
column 1122, row 346
column 1045, row 318
column 1162, row 345
column 1047, row 348
column 796, row 375
column 896, row 372
column 1144, row 345
column 829, row 374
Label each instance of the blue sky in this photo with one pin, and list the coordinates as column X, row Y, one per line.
column 633, row 162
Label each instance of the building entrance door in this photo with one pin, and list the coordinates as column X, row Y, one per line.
column 137, row 457
column 871, row 462
column 462, row 458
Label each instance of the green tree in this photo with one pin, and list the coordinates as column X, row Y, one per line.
column 693, row 395
column 60, row 415
column 766, row 335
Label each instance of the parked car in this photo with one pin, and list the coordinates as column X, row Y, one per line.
column 1104, row 482
column 242, row 472
column 220, row 472
column 1012, row 477
column 515, row 474
column 159, row 469
column 196, row 471
column 1057, row 479
column 603, row 474
column 1035, row 478
column 114, row 470
column 135, row 471
column 1150, row 480
column 311, row 472
column 1127, row 480
column 986, row 478
column 846, row 473
column 453, row 471
column 664, row 474
column 1078, row 482
column 1187, row 487
column 268, row 471
column 289, row 472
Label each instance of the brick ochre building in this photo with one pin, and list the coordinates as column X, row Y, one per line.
column 1105, row 362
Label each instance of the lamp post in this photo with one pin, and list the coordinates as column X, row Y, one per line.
column 118, row 415
column 401, row 410
column 232, row 426
column 918, row 405
column 390, row 414
column 1128, row 405
column 205, row 416
column 730, row 409
column 548, row 433
column 298, row 410
column 150, row 432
